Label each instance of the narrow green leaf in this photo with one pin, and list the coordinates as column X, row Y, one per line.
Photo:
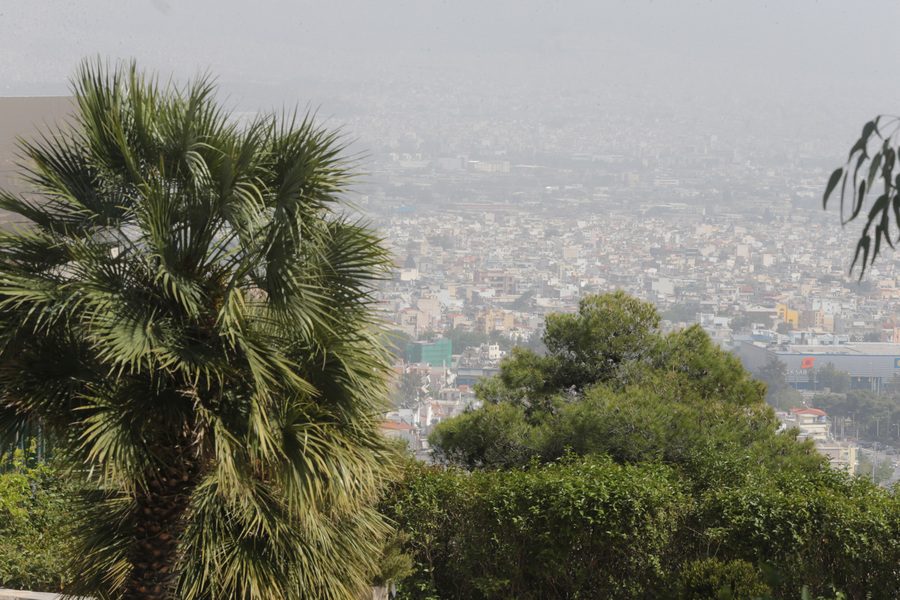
column 832, row 183
column 863, row 140
column 862, row 246
column 880, row 206
column 873, row 168
column 858, row 200
column 868, row 128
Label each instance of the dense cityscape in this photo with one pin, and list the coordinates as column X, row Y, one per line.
column 483, row 245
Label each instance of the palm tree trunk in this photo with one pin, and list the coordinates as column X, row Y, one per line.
column 159, row 519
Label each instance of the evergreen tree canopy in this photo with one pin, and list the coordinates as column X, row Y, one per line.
column 612, row 383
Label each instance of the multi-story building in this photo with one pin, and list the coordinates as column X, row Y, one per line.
column 789, row 316
column 494, row 320
column 501, row 281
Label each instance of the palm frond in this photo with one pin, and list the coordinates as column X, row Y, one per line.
column 189, row 309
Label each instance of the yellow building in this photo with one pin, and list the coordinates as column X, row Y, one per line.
column 788, row 316
column 494, row 320
column 841, row 455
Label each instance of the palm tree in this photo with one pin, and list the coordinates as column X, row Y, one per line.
column 187, row 310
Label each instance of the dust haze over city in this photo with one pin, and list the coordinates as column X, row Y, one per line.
column 583, row 264
column 520, row 155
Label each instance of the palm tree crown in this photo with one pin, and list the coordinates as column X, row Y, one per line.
column 187, row 309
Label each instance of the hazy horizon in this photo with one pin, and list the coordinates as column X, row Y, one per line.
column 816, row 67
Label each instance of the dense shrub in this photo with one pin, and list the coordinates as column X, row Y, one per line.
column 592, row 528
column 34, row 515
column 705, row 580
column 824, row 530
column 587, row 528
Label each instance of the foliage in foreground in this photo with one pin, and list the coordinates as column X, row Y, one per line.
column 561, row 442
column 707, row 579
column 187, row 311
column 870, row 187
column 592, row 528
column 35, row 541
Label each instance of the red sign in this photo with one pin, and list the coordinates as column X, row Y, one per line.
column 807, row 363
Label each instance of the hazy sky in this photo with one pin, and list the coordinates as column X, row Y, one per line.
column 839, row 56
column 230, row 35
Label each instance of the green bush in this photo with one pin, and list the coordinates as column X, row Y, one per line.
column 823, row 530
column 587, row 528
column 706, row 579
column 592, row 528
column 34, row 517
